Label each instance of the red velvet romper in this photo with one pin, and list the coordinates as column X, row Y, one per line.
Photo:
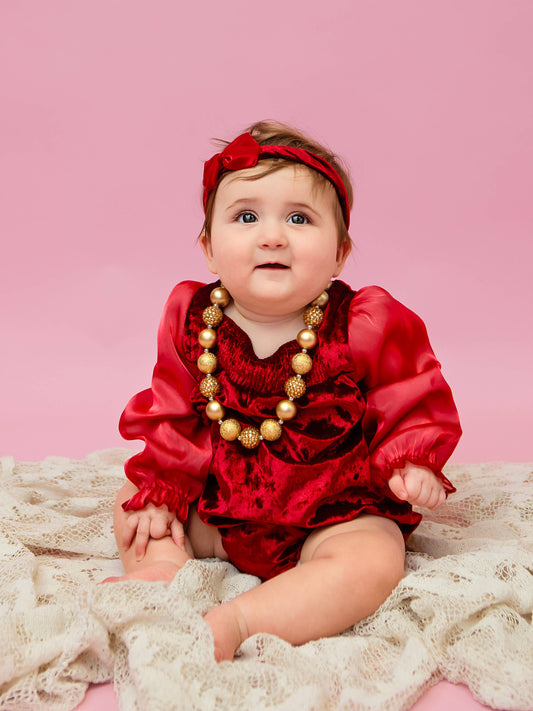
column 375, row 399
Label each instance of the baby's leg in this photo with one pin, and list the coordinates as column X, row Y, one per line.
column 163, row 558
column 347, row 570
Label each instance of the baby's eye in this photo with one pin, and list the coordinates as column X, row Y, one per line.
column 298, row 219
column 246, row 217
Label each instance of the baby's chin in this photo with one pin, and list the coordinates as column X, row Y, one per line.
column 272, row 274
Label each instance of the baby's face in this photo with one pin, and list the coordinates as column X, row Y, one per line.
column 274, row 240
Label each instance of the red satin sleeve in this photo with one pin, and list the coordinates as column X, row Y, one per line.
column 410, row 414
column 173, row 466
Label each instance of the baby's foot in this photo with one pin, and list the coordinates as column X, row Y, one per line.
column 164, row 570
column 229, row 629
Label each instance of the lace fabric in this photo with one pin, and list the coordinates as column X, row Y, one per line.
column 463, row 611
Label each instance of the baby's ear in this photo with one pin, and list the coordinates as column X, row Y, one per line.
column 343, row 251
column 205, row 244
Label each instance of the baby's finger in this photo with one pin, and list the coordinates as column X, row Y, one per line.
column 142, row 538
column 414, row 485
column 178, row 533
column 425, row 493
column 431, row 493
column 438, row 497
column 397, row 486
column 432, row 490
column 159, row 526
column 129, row 530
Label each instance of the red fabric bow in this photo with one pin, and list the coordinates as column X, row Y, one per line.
column 245, row 152
column 241, row 153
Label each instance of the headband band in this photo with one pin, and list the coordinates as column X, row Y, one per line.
column 245, row 152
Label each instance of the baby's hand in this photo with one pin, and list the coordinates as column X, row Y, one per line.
column 151, row 522
column 417, row 485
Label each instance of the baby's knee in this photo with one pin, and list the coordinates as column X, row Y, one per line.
column 388, row 568
column 373, row 554
column 381, row 568
column 379, row 571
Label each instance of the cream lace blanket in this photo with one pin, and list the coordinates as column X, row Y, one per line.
column 463, row 611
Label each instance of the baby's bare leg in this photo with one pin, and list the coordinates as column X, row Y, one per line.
column 163, row 558
column 346, row 572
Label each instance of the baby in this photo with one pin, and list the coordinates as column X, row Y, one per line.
column 292, row 422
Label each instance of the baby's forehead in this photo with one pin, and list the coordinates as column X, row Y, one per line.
column 269, row 167
column 295, row 175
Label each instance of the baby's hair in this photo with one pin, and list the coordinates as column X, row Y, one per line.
column 274, row 133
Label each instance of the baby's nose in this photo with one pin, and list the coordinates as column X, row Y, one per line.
column 273, row 235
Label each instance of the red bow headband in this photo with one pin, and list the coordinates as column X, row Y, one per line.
column 245, row 152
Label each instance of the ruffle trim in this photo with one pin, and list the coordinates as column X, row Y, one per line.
column 176, row 501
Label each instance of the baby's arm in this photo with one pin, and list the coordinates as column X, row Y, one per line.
column 171, row 470
column 417, row 485
column 410, row 415
column 150, row 522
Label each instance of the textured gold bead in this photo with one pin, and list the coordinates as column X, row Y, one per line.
column 250, row 437
column 301, row 363
column 307, row 338
column 207, row 337
column 271, row 430
column 286, row 410
column 209, row 386
column 212, row 315
column 313, row 316
column 294, row 386
column 220, row 296
column 207, row 363
column 321, row 300
column 214, row 410
column 230, row 430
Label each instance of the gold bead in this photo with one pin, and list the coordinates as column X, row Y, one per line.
column 294, row 386
column 321, row 300
column 250, row 437
column 230, row 430
column 214, row 410
column 286, row 410
column 313, row 316
column 270, row 430
column 207, row 337
column 301, row 363
column 220, row 296
column 207, row 363
column 209, row 386
column 212, row 315
column 307, row 338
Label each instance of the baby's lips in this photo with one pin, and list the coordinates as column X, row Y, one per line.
column 272, row 265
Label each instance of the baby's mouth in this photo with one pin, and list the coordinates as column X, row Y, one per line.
column 272, row 265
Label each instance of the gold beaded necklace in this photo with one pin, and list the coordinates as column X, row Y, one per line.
column 294, row 387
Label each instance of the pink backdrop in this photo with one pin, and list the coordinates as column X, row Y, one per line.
column 107, row 110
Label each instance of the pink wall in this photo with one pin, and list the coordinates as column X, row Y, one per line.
column 106, row 113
